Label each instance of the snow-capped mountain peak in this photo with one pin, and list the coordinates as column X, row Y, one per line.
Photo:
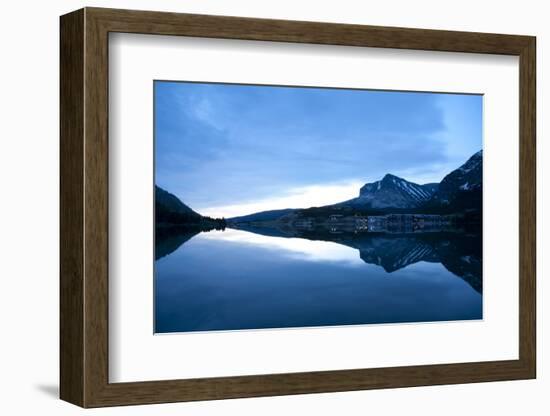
column 393, row 191
column 467, row 177
column 473, row 163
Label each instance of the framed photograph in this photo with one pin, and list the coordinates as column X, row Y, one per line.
column 254, row 207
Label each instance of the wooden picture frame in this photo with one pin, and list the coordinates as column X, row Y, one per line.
column 84, row 207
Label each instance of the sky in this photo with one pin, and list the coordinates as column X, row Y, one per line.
column 227, row 149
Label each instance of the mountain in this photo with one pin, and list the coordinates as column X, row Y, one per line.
column 168, row 207
column 466, row 178
column 430, row 187
column 459, row 192
column 392, row 192
column 262, row 216
column 174, row 217
column 462, row 188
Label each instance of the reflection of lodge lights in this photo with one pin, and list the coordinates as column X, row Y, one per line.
column 391, row 223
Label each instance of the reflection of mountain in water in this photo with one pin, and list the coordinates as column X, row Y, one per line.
column 168, row 240
column 459, row 252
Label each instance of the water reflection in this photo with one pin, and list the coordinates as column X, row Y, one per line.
column 249, row 278
column 298, row 248
column 459, row 252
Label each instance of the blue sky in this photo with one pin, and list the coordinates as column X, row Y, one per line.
column 228, row 150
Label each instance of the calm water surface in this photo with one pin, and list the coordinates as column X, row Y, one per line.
column 233, row 279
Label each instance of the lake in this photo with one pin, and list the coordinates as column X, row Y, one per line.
column 236, row 279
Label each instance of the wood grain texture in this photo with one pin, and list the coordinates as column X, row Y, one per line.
column 162, row 23
column 71, row 208
column 96, row 220
column 84, row 207
column 527, row 207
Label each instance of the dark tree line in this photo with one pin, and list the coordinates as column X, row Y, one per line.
column 190, row 220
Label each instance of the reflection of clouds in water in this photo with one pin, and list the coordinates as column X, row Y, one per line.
column 297, row 248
